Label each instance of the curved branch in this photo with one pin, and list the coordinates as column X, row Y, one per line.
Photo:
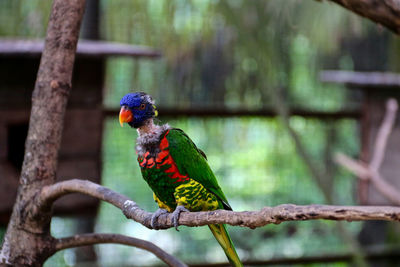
column 92, row 239
column 52, row 192
column 364, row 172
column 251, row 219
column 371, row 172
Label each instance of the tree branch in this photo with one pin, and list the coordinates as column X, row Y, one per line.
column 384, row 12
column 383, row 134
column 371, row 171
column 358, row 168
column 251, row 219
column 92, row 239
column 363, row 172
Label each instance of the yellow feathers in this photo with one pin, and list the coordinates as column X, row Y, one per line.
column 155, row 111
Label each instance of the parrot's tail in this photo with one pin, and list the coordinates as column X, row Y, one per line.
column 223, row 238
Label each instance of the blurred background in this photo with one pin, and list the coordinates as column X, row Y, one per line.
column 218, row 70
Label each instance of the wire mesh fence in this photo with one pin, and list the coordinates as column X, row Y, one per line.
column 221, row 54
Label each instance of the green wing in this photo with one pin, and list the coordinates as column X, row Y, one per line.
column 192, row 161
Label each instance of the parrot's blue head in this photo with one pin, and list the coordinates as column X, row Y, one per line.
column 136, row 108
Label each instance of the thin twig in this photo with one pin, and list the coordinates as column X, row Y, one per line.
column 362, row 172
column 356, row 167
column 317, row 173
column 371, row 171
column 92, row 239
column 383, row 134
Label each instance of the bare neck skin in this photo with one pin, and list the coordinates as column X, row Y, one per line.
column 149, row 134
column 147, row 127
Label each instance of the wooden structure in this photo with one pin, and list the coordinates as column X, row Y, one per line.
column 80, row 153
column 376, row 88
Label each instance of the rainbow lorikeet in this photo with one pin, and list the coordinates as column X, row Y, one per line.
column 175, row 169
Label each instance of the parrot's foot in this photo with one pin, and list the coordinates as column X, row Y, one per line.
column 176, row 214
column 155, row 216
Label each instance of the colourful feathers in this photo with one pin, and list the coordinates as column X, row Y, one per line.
column 179, row 175
column 175, row 169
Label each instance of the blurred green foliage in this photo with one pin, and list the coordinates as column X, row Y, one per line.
column 228, row 53
column 26, row 19
column 257, row 165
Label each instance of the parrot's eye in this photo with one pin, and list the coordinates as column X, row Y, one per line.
column 142, row 106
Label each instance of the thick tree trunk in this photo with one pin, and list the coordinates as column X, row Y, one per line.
column 28, row 241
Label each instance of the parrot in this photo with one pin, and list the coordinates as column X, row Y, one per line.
column 175, row 169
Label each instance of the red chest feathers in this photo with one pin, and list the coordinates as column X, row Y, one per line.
column 163, row 161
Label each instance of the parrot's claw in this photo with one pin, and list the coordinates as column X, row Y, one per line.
column 155, row 216
column 176, row 214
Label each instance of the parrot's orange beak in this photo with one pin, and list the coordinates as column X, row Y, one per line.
column 125, row 115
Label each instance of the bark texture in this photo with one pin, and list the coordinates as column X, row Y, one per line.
column 28, row 241
column 384, row 12
column 251, row 219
